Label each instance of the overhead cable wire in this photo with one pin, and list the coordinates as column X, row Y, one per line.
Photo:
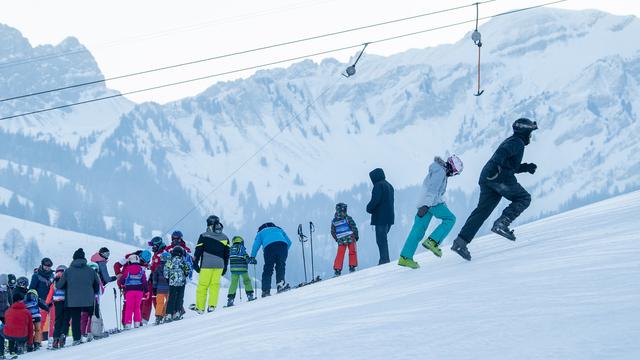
column 242, row 52
column 277, row 62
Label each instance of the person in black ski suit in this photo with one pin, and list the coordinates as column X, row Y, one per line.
column 41, row 281
column 497, row 180
column 381, row 209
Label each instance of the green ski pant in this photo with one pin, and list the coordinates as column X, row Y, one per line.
column 420, row 225
column 235, row 279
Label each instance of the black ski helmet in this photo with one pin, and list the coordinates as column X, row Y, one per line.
column 46, row 262
column 11, row 281
column 22, row 282
column 156, row 243
column 212, row 220
column 524, row 126
column 341, row 208
column 178, row 251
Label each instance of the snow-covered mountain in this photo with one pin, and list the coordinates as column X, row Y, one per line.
column 567, row 289
column 119, row 170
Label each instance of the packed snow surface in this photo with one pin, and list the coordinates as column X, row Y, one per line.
column 567, row 289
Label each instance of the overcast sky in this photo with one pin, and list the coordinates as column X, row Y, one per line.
column 129, row 36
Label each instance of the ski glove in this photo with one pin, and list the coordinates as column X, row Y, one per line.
column 422, row 211
column 252, row 260
column 224, row 271
column 196, row 268
column 528, row 167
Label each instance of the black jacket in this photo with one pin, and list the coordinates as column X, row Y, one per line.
column 212, row 251
column 505, row 162
column 81, row 284
column 41, row 281
column 381, row 205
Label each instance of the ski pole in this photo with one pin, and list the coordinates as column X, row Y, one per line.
column 240, row 287
column 115, row 307
column 302, row 241
column 255, row 279
column 311, row 230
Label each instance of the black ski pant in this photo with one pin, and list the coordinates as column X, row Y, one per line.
column 176, row 299
column 490, row 195
column 16, row 345
column 75, row 314
column 383, row 244
column 275, row 255
column 61, row 324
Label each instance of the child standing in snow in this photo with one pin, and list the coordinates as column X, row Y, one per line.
column 238, row 261
column 134, row 281
column 160, row 287
column 33, row 303
column 431, row 204
column 176, row 271
column 345, row 233
column 59, row 318
column 18, row 326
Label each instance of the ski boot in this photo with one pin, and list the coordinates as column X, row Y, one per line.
column 250, row 296
column 460, row 247
column 127, row 327
column 158, row 320
column 406, row 262
column 282, row 287
column 352, row 269
column 76, row 342
column 337, row 272
column 266, row 293
column 501, row 227
column 230, row 301
column 211, row 309
column 432, row 246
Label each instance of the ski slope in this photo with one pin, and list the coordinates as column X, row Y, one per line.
column 569, row 288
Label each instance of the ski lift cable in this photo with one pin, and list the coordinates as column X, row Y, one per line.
column 273, row 137
column 160, row 33
column 252, row 156
column 270, row 63
column 241, row 52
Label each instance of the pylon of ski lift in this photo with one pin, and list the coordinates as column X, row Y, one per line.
column 351, row 70
column 477, row 40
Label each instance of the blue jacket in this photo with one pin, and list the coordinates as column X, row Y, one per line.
column 268, row 236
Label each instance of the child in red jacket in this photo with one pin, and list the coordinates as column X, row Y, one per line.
column 18, row 326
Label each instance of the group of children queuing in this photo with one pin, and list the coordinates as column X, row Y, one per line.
column 31, row 311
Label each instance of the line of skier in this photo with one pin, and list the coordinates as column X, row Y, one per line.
column 44, row 308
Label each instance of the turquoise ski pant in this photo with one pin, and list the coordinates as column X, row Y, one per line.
column 420, row 225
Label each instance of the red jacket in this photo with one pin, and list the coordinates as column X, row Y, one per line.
column 155, row 260
column 18, row 322
column 182, row 244
column 119, row 265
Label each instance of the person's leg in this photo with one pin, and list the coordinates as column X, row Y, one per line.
column 487, row 202
column 171, row 303
column 337, row 264
column 12, row 346
column 37, row 333
column 161, row 305
column 233, row 286
column 442, row 212
column 44, row 324
column 353, row 255
column 246, row 280
column 179, row 299
column 383, row 246
column 267, row 271
column 137, row 311
column 281, row 261
column 76, row 313
column 203, row 287
column 129, row 306
column 420, row 225
column 214, row 287
column 147, row 304
column 1, row 344
column 85, row 320
column 58, row 308
column 519, row 197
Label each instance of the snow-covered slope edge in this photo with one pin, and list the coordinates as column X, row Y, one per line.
column 567, row 289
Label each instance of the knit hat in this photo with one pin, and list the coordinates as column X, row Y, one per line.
column 79, row 254
column 104, row 252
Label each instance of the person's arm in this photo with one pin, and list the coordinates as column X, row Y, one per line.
column 49, row 299
column 198, row 254
column 354, row 228
column 34, row 281
column 376, row 197
column 286, row 237
column 42, row 305
column 96, row 283
column 257, row 242
column 62, row 283
column 333, row 232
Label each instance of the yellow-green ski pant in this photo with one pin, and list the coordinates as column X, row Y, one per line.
column 235, row 280
column 208, row 281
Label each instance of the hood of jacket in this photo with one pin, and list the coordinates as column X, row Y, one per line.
column 78, row 263
column 97, row 258
column 377, row 175
column 19, row 305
